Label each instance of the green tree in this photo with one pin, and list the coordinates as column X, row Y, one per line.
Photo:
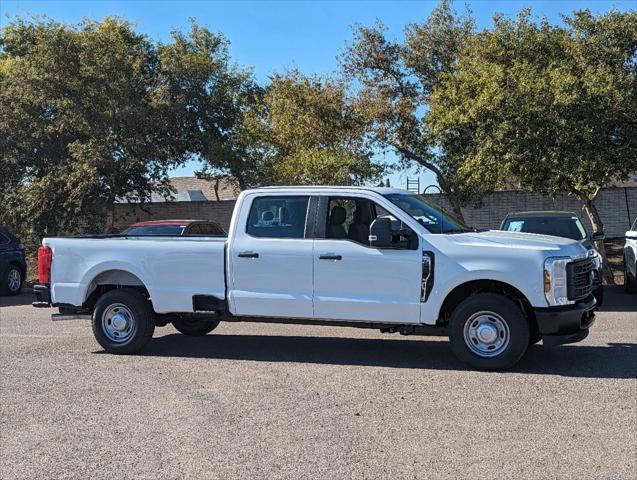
column 91, row 113
column 551, row 106
column 297, row 130
column 395, row 82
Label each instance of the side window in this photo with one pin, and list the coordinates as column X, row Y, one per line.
column 3, row 239
column 278, row 217
column 349, row 218
column 211, row 229
column 634, row 227
column 194, row 229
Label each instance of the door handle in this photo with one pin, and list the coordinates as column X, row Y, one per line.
column 248, row 255
column 329, row 256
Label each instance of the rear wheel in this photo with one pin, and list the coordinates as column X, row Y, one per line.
column 12, row 281
column 489, row 332
column 123, row 321
column 195, row 327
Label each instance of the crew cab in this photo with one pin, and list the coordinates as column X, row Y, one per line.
column 377, row 258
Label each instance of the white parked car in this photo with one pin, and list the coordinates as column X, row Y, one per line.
column 630, row 259
column 358, row 257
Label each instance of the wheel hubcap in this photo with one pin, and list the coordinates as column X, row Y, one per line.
column 486, row 334
column 118, row 323
column 14, row 280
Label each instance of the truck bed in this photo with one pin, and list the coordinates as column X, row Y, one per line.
column 172, row 268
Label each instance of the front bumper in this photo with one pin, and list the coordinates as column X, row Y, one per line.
column 568, row 324
column 42, row 296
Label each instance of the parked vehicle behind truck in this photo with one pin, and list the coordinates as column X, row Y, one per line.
column 359, row 257
column 561, row 224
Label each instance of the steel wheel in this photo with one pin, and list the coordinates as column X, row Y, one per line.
column 14, row 280
column 118, row 323
column 486, row 334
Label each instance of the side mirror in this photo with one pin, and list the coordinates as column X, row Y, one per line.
column 632, row 234
column 380, row 233
column 598, row 236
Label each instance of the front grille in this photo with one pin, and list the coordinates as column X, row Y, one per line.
column 579, row 279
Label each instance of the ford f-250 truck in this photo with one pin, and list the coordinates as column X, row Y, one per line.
column 358, row 257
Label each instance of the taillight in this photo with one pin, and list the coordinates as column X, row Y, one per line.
column 45, row 257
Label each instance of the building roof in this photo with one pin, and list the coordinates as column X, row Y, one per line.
column 228, row 189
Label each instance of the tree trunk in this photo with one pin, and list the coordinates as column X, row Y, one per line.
column 598, row 226
column 109, row 226
column 455, row 206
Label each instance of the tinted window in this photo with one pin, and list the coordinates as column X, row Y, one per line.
column 205, row 229
column 278, row 217
column 3, row 239
column 155, row 230
column 570, row 227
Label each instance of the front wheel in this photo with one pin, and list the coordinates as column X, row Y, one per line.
column 489, row 332
column 194, row 327
column 123, row 321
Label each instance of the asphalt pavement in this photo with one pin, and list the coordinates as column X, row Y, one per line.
column 282, row 401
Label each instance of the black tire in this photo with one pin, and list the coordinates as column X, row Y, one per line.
column 194, row 327
column 534, row 338
column 629, row 280
column 8, row 285
column 510, row 316
column 599, row 296
column 139, row 329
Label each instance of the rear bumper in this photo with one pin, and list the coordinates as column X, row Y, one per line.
column 42, row 296
column 569, row 324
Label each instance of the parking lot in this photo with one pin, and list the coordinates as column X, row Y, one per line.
column 277, row 401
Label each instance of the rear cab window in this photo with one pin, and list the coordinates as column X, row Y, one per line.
column 278, row 217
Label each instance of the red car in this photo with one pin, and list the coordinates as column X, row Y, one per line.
column 175, row 227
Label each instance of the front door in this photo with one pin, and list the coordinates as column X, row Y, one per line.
column 353, row 281
column 271, row 259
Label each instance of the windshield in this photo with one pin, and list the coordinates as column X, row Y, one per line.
column 430, row 216
column 567, row 227
column 155, row 230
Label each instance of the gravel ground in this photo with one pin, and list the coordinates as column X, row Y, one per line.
column 278, row 401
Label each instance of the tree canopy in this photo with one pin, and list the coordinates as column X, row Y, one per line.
column 95, row 112
column 395, row 81
column 299, row 130
column 553, row 107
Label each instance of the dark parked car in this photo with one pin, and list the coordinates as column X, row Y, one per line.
column 560, row 224
column 175, row 227
column 13, row 265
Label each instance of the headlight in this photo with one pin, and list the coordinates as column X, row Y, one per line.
column 597, row 258
column 555, row 289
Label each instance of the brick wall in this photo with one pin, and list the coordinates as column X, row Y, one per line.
column 613, row 205
column 221, row 212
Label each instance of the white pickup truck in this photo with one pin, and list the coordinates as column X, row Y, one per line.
column 358, row 257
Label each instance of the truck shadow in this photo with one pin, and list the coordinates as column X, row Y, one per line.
column 616, row 300
column 616, row 360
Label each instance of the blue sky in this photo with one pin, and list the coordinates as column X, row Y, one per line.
column 271, row 36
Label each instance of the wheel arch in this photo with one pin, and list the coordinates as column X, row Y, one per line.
column 103, row 278
column 466, row 289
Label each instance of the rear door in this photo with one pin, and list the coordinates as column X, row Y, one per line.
column 271, row 257
column 353, row 281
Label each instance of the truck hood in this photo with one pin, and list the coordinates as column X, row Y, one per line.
column 552, row 246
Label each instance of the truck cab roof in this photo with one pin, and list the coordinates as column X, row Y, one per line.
column 322, row 188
